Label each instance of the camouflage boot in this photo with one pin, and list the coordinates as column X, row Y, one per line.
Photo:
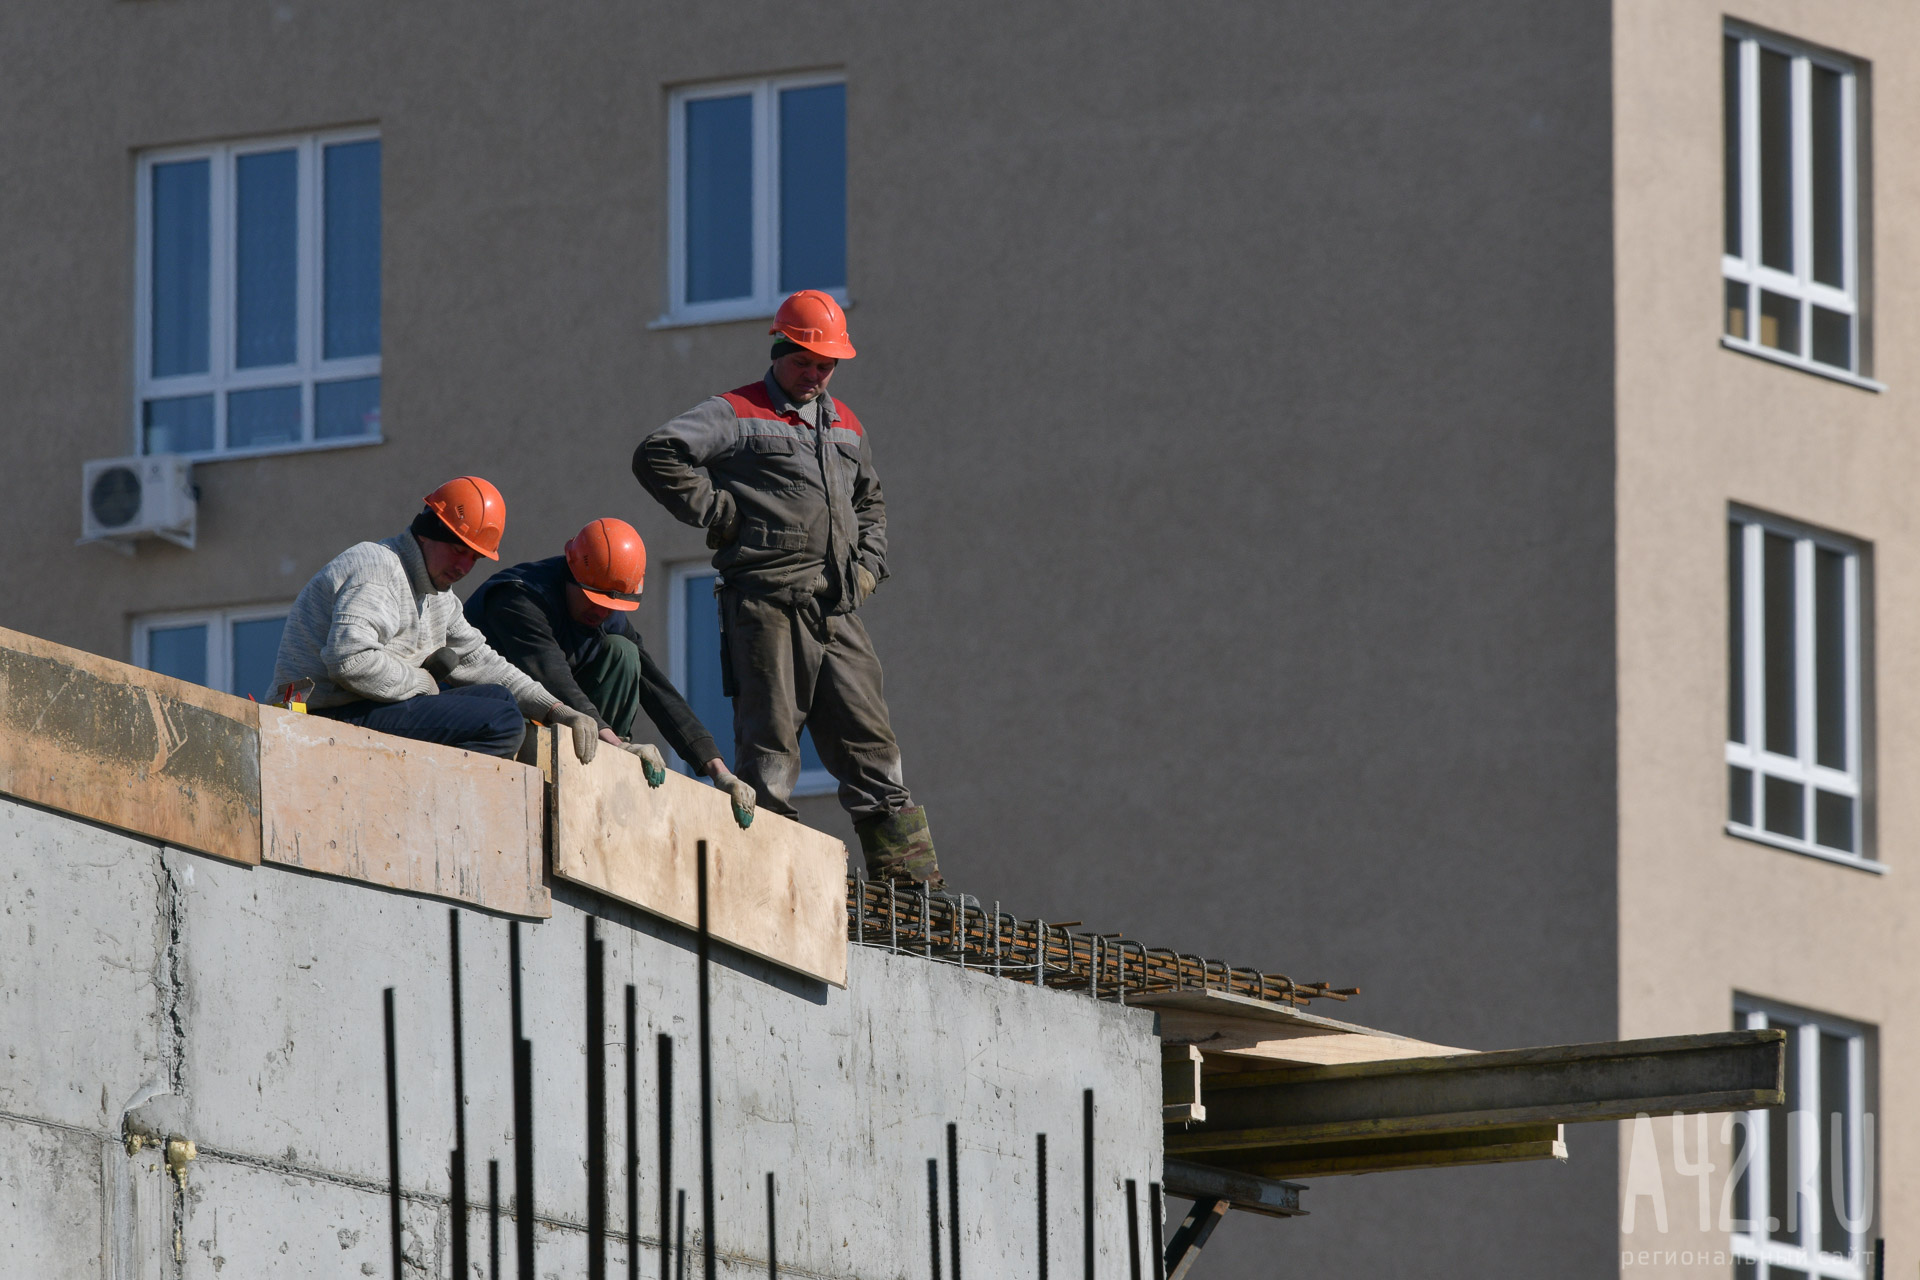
column 899, row 848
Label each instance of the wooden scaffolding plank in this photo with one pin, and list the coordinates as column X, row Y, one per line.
column 129, row 748
column 340, row 800
column 776, row 890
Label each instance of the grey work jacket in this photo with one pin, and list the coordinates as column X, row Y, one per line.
column 808, row 498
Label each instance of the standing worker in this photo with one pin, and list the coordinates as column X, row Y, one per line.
column 374, row 634
column 563, row 621
column 792, row 508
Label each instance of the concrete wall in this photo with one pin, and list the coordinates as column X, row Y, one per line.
column 1703, row 915
column 1240, row 376
column 242, row 1007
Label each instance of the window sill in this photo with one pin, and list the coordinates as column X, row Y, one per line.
column 274, row 450
column 1801, row 847
column 734, row 312
column 1768, row 354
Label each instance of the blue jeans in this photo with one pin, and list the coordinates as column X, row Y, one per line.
column 473, row 717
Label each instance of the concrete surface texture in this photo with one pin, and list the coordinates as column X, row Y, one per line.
column 242, row 1008
column 1706, row 917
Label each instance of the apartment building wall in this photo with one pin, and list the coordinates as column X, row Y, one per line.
column 1241, row 378
column 1706, row 917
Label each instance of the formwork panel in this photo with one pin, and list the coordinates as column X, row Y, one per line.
column 776, row 889
column 129, row 748
column 345, row 801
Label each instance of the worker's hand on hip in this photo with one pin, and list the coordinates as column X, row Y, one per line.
column 725, row 529
column 741, row 793
column 864, row 584
column 650, row 759
column 586, row 733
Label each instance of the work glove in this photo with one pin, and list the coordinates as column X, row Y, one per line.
column 586, row 733
column 864, row 584
column 651, row 760
column 725, row 528
column 741, row 793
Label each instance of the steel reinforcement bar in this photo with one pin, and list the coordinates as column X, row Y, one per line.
column 960, row 929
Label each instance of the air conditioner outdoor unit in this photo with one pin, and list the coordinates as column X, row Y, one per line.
column 122, row 499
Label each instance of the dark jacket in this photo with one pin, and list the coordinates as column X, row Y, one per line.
column 808, row 498
column 522, row 611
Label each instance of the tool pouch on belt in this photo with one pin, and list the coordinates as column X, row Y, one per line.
column 729, row 688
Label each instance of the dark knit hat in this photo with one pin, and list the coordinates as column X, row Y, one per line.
column 428, row 524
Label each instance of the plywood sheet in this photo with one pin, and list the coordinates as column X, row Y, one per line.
column 129, row 748
column 1253, row 1033
column 345, row 801
column 777, row 889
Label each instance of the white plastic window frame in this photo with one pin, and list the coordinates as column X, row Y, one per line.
column 1799, row 285
column 222, row 376
column 813, row 782
column 1802, row 767
column 766, row 296
column 219, row 625
column 1815, row 1258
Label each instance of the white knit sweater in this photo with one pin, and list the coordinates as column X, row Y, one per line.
column 370, row 625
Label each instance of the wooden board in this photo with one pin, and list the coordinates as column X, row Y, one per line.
column 129, row 748
column 1238, row 1032
column 349, row 802
column 777, row 889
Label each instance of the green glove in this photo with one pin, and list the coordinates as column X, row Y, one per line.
column 651, row 761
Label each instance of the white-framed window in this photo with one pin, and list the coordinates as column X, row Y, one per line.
column 1800, row 1196
column 227, row 649
column 257, row 320
column 756, row 195
column 1791, row 252
column 693, row 662
column 1794, row 680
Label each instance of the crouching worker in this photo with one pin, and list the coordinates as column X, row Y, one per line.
column 563, row 621
column 375, row 635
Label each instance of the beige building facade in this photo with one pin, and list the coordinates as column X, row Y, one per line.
column 1310, row 437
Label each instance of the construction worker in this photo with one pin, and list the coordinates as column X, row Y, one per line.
column 564, row 622
column 780, row 475
column 377, row 637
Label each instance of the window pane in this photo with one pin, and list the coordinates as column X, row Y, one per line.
column 266, row 201
column 351, row 270
column 1833, row 821
column 180, row 266
column 1833, row 338
column 1776, row 160
column 1730, row 129
column 255, row 645
column 1777, row 609
column 1745, row 1270
column 1829, row 192
column 1836, row 1148
column 183, row 424
column 1779, row 323
column 1740, row 795
column 346, row 410
column 719, row 198
column 179, row 651
column 813, row 188
column 1736, row 633
column 1830, row 658
column 266, row 415
column 1780, row 1123
column 1786, row 804
column 1737, row 309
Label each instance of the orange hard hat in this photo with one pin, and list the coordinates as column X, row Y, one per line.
column 474, row 510
column 813, row 320
column 609, row 562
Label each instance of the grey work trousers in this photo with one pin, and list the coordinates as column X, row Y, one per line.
column 791, row 669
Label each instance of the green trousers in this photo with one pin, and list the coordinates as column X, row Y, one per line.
column 613, row 682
